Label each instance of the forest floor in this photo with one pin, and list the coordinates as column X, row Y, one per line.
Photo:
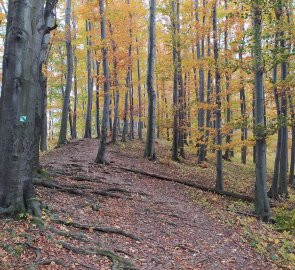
column 108, row 217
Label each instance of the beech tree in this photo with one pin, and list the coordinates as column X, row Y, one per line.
column 262, row 207
column 29, row 22
column 66, row 101
column 106, row 88
column 151, row 129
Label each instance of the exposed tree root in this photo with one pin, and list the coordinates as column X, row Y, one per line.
column 97, row 229
column 76, row 236
column 47, row 184
column 119, row 263
column 48, row 262
column 190, row 184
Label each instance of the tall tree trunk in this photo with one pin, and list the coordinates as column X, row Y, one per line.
column 116, row 84
column 106, row 88
column 66, row 101
column 151, row 129
column 125, row 124
column 244, row 129
column 228, row 152
column 292, row 162
column 88, row 123
column 175, row 82
column 219, row 165
column 283, row 173
column 20, row 87
column 201, row 96
column 262, row 207
column 97, row 114
column 74, row 127
column 181, row 86
column 140, row 124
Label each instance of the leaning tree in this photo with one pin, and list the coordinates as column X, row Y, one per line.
column 28, row 24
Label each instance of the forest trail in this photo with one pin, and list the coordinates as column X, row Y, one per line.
column 175, row 233
column 151, row 224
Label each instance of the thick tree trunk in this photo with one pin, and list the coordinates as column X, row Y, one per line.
column 219, row 165
column 88, row 123
column 151, row 129
column 20, row 84
column 66, row 101
column 262, row 207
column 106, row 88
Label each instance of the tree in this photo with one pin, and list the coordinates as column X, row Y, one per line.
column 261, row 200
column 66, row 101
column 151, row 129
column 106, row 88
column 219, row 165
column 20, row 86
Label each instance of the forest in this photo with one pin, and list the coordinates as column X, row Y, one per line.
column 147, row 134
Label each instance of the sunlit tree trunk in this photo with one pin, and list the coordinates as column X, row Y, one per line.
column 88, row 123
column 66, row 101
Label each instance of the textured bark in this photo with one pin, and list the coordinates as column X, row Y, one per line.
column 88, row 124
column 66, row 101
column 151, row 129
column 262, row 207
column 219, row 165
column 106, row 88
column 20, row 85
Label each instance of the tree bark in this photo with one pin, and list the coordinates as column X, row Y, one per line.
column 219, row 165
column 88, row 124
column 151, row 129
column 25, row 31
column 262, row 207
column 106, row 88
column 66, row 101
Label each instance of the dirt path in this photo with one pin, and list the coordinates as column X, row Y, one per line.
column 174, row 232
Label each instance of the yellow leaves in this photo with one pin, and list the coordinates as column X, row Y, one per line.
column 2, row 17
